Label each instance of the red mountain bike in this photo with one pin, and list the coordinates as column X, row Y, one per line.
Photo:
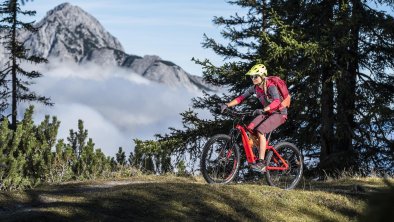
column 220, row 161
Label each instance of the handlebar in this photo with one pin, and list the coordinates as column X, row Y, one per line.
column 236, row 113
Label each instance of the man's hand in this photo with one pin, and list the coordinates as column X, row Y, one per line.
column 258, row 112
column 223, row 108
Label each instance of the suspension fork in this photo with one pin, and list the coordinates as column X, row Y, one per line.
column 234, row 136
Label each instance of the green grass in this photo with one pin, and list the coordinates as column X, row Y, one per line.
column 170, row 198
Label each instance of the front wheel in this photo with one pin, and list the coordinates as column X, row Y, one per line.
column 285, row 179
column 220, row 159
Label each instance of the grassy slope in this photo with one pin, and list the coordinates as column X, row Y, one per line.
column 152, row 198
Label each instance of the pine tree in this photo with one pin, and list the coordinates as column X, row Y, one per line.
column 181, row 168
column 61, row 169
column 5, row 142
column 121, row 157
column 82, row 151
column 86, row 164
column 336, row 57
column 145, row 155
column 27, row 159
column 14, row 160
column 14, row 74
column 113, row 163
column 355, row 75
column 130, row 159
column 77, row 140
column 102, row 166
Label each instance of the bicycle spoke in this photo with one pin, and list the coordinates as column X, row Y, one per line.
column 286, row 179
column 219, row 161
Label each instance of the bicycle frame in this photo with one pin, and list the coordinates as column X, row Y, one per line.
column 251, row 158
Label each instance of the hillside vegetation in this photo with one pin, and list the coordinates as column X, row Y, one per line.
column 170, row 198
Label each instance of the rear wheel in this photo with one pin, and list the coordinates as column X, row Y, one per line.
column 285, row 179
column 220, row 160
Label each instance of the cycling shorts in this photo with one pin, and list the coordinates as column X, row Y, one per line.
column 265, row 125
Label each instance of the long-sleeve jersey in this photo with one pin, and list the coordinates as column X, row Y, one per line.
column 271, row 99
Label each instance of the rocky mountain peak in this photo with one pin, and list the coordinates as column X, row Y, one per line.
column 69, row 32
column 61, row 7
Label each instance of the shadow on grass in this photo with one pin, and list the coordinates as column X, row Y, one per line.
column 352, row 188
column 380, row 206
column 178, row 201
column 135, row 202
column 378, row 198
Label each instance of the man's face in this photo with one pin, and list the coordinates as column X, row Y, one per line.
column 256, row 79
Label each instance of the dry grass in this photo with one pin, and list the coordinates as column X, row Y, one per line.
column 170, row 198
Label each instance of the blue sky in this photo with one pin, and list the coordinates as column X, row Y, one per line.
column 171, row 29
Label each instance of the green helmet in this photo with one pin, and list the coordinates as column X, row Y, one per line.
column 258, row 69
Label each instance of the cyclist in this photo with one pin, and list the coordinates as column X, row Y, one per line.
column 267, row 119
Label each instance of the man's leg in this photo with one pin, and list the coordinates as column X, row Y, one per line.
column 260, row 164
column 271, row 123
column 267, row 126
column 263, row 146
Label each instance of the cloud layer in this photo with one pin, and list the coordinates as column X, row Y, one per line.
column 116, row 106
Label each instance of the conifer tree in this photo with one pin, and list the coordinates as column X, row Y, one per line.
column 13, row 73
column 86, row 162
column 77, row 140
column 336, row 57
column 61, row 169
column 121, row 157
column 15, row 177
column 145, row 155
column 27, row 159
column 101, row 164
column 113, row 163
column 130, row 159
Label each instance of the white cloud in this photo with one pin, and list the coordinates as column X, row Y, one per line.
column 101, row 130
column 116, row 106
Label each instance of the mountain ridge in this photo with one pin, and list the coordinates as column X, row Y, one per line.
column 69, row 33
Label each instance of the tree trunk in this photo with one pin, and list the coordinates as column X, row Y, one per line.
column 327, row 139
column 327, row 118
column 347, row 94
column 13, row 6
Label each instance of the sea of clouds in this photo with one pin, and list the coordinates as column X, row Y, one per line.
column 115, row 104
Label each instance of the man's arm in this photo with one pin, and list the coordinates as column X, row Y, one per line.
column 274, row 105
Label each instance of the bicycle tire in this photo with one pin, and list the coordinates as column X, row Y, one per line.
column 285, row 179
column 220, row 160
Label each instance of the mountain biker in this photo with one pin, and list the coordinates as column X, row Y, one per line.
column 267, row 119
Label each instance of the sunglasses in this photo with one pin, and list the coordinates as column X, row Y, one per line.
column 253, row 77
